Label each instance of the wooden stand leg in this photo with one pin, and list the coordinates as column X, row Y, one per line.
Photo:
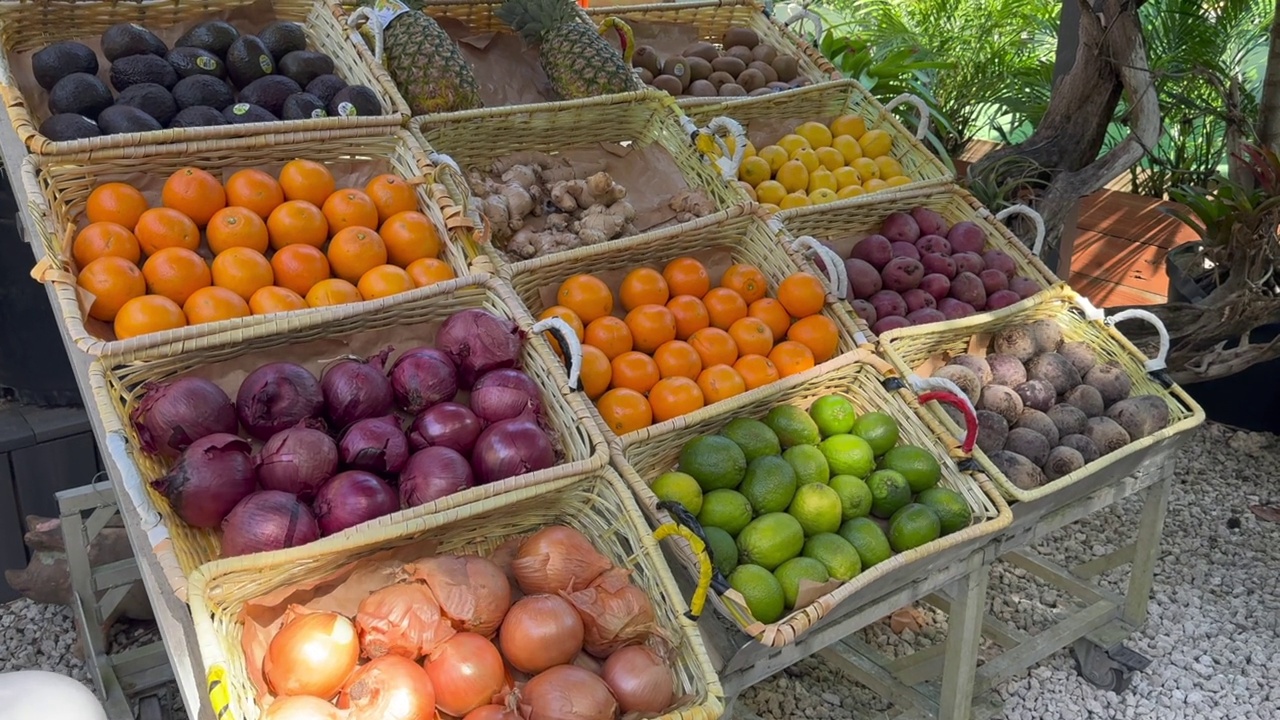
column 1155, row 505
column 964, row 632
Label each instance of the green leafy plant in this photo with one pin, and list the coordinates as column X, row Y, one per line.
column 1222, row 209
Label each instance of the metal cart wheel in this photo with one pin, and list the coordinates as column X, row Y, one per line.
column 1107, row 669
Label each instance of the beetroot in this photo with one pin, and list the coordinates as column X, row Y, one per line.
column 917, row 299
column 902, row 274
column 954, row 309
column 999, row 261
column 1001, row 299
column 925, row 315
column 968, row 262
column 933, row 244
column 900, row 227
column 993, row 281
column 884, row 325
column 864, row 279
column 929, row 222
column 1024, row 287
column 941, row 264
column 906, row 250
column 875, row 249
column 967, row 237
column 888, row 303
column 937, row 285
column 865, row 310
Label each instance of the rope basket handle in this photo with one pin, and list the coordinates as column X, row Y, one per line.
column 716, row 130
column 626, row 37
column 1037, row 245
column 1157, row 363
column 832, row 265
column 921, row 107
column 806, row 14
column 687, row 526
column 366, row 15
column 569, row 344
column 448, row 167
column 946, row 391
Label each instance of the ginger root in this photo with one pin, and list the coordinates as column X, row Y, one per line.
column 602, row 224
column 528, row 243
column 599, row 189
column 509, row 202
column 691, row 204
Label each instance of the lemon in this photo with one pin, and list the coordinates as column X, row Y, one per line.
column 848, row 147
column 770, row 192
column 770, row 207
column 874, row 184
column 750, row 191
column 821, row 179
column 876, row 143
column 806, row 157
column 822, row 196
column 794, row 176
column 851, row 125
column 795, row 200
column 889, row 167
column 749, row 151
column 792, row 143
column 866, row 167
column 775, row 156
column 898, row 181
column 681, row 488
column 846, row 177
column 852, row 191
column 754, row 170
column 830, row 158
column 818, row 135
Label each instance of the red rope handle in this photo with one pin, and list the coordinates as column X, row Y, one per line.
column 970, row 419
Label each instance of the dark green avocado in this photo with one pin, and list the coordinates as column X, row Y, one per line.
column 54, row 62
column 269, row 92
column 80, row 93
column 248, row 59
column 215, row 36
column 354, row 100
column 69, row 126
column 119, row 119
column 242, row 113
column 190, row 61
column 303, row 106
column 325, row 87
column 125, row 39
column 202, row 90
column 136, row 69
column 198, row 116
column 151, row 99
column 283, row 37
column 303, row 66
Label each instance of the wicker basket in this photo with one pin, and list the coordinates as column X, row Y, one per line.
column 58, row 187
column 29, row 26
column 646, row 120
column 118, row 384
column 709, row 20
column 909, row 349
column 598, row 505
column 864, row 379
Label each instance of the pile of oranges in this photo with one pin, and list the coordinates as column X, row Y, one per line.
column 669, row 343
column 274, row 243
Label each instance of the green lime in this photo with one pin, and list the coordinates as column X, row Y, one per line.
column 791, row 572
column 769, row 484
column 725, row 509
column 879, row 430
column 889, row 492
column 868, row 539
column 917, row 465
column 715, row 462
column 761, row 590
column 855, row 496
column 950, row 506
column 848, row 455
column 834, row 415
column 913, row 526
column 770, row 540
column 835, row 553
column 754, row 437
column 681, row 488
column 809, row 463
column 818, row 508
column 724, row 551
column 792, row 426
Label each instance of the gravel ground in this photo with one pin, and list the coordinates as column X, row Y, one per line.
column 1213, row 632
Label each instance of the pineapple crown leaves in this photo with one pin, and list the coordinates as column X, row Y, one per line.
column 534, row 18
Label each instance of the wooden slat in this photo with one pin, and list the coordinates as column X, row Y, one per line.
column 1136, row 265
column 1104, row 293
column 1134, row 217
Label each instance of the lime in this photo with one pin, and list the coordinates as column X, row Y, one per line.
column 868, row 539
column 754, row 437
column 834, row 415
column 761, row 590
column 848, row 455
column 770, row 540
column 889, row 492
column 835, row 553
column 724, row 551
column 681, row 488
column 879, row 430
column 769, row 485
column 950, row 506
column 855, row 496
column 913, row 526
column 809, row 463
column 917, row 465
column 792, row 426
column 791, row 572
column 715, row 462
column 725, row 509
column 818, row 508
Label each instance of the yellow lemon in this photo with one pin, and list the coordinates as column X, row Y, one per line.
column 793, row 175
column 792, row 143
column 849, row 148
column 822, row 196
column 898, row 181
column 774, row 155
column 770, row 192
column 750, row 191
column 816, row 133
column 847, row 176
column 866, row 167
column 795, row 200
column 822, row 179
column 770, row 207
column 750, row 151
column 851, row 125
column 830, row 158
column 876, row 143
column 807, row 158
column 754, row 170
column 850, row 192
column 889, row 168
column 874, row 184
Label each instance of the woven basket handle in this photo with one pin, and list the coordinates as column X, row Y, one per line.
column 626, row 38
column 921, row 107
column 716, row 130
column 832, row 265
column 687, row 527
column 1037, row 245
column 803, row 14
column 1157, row 363
column 945, row 391
column 569, row 344
column 363, row 16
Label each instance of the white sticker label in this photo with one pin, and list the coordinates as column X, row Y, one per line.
column 346, row 109
column 240, row 108
column 318, row 113
column 268, row 66
column 206, row 63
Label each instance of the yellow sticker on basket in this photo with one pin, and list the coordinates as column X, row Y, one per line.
column 219, row 693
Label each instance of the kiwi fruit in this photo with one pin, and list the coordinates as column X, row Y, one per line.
column 699, row 69
column 719, row 79
column 669, row 84
column 745, row 37
column 732, row 90
column 786, row 67
column 770, row 75
column 702, row 50
column 740, row 53
column 731, row 65
column 646, row 57
column 761, row 91
column 798, row 83
column 702, row 88
column 645, row 76
column 764, row 52
column 779, row 86
column 678, row 68
column 751, row 79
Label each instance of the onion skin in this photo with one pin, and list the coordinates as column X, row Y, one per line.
column 540, row 632
column 351, row 498
column 355, row 389
column 567, row 692
column 477, row 342
column 423, row 377
column 268, row 520
column 302, row 707
column 447, row 424
column 433, row 473
column 173, row 415
column 278, row 396
column 615, row 613
column 473, row 592
column 557, row 559
column 496, row 403
column 510, row 448
column 514, row 379
column 492, row 712
column 402, row 619
column 389, row 688
column 639, row 680
column 376, row 445
column 313, row 653
column 213, row 475
column 467, row 672
column 297, row 460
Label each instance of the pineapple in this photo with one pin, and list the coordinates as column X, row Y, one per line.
column 578, row 62
column 424, row 62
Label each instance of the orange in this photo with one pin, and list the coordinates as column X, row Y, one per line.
column 212, row 304
column 725, row 307
column 175, row 273
column 148, row 314
column 165, row 227
column 773, row 315
column 409, row 236
column 115, row 202
column 113, row 281
column 802, row 294
column 391, row 194
column 720, row 382
column 756, row 370
column 242, row 271
column 586, row 295
column 752, row 336
column 746, row 280
column 272, row 299
column 678, row 359
column 384, row 281
column 570, row 318
column 624, row 411
column 651, row 325
column 819, row 334
column 643, row 286
column 105, row 239
column 690, row 314
column 332, row 292
column 299, row 267
column 635, row 371
column 349, row 208
column 306, row 180
column 596, row 373
column 429, row 271
column 297, row 222
column 194, row 193
column 254, row 190
column 790, row 357
column 355, row 251
column 714, row 346
column 673, row 397
column 686, row 276
column 236, row 227
column 610, row 334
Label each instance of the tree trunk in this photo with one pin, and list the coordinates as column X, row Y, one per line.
column 1269, row 112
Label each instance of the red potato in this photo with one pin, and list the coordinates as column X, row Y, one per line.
column 967, row 287
column 925, row 315
column 890, row 323
column 933, row 244
column 1025, row 287
column 1002, row 299
column 902, row 274
column 999, row 261
column 929, row 222
column 865, row 310
column 917, row 299
column 967, row 237
column 969, row 262
column 900, row 227
column 874, row 249
column 954, row 309
column 941, row 264
column 993, row 281
column 888, row 303
column 906, row 250
column 936, row 284
column 864, row 279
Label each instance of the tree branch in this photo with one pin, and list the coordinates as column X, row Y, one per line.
column 1269, row 111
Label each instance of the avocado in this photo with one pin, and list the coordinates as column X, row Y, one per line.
column 125, row 39
column 69, row 126
column 125, row 119
column 303, row 106
column 214, row 36
column 190, row 61
column 303, row 66
column 202, row 90
column 269, row 92
column 242, row 113
column 354, row 100
column 248, row 59
column 54, row 62
column 325, row 87
column 136, row 69
column 283, row 37
column 80, row 93
column 197, row 116
column 151, row 99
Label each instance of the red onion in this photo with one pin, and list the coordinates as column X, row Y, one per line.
column 355, row 389
column 173, row 415
column 433, row 473
column 567, row 692
column 640, row 680
column 377, row 445
column 514, row 379
column 213, row 474
column 421, row 378
column 297, row 460
column 447, row 425
column 267, row 520
column 278, row 396
column 478, row 341
column 351, row 498
column 496, row 403
column 510, row 448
